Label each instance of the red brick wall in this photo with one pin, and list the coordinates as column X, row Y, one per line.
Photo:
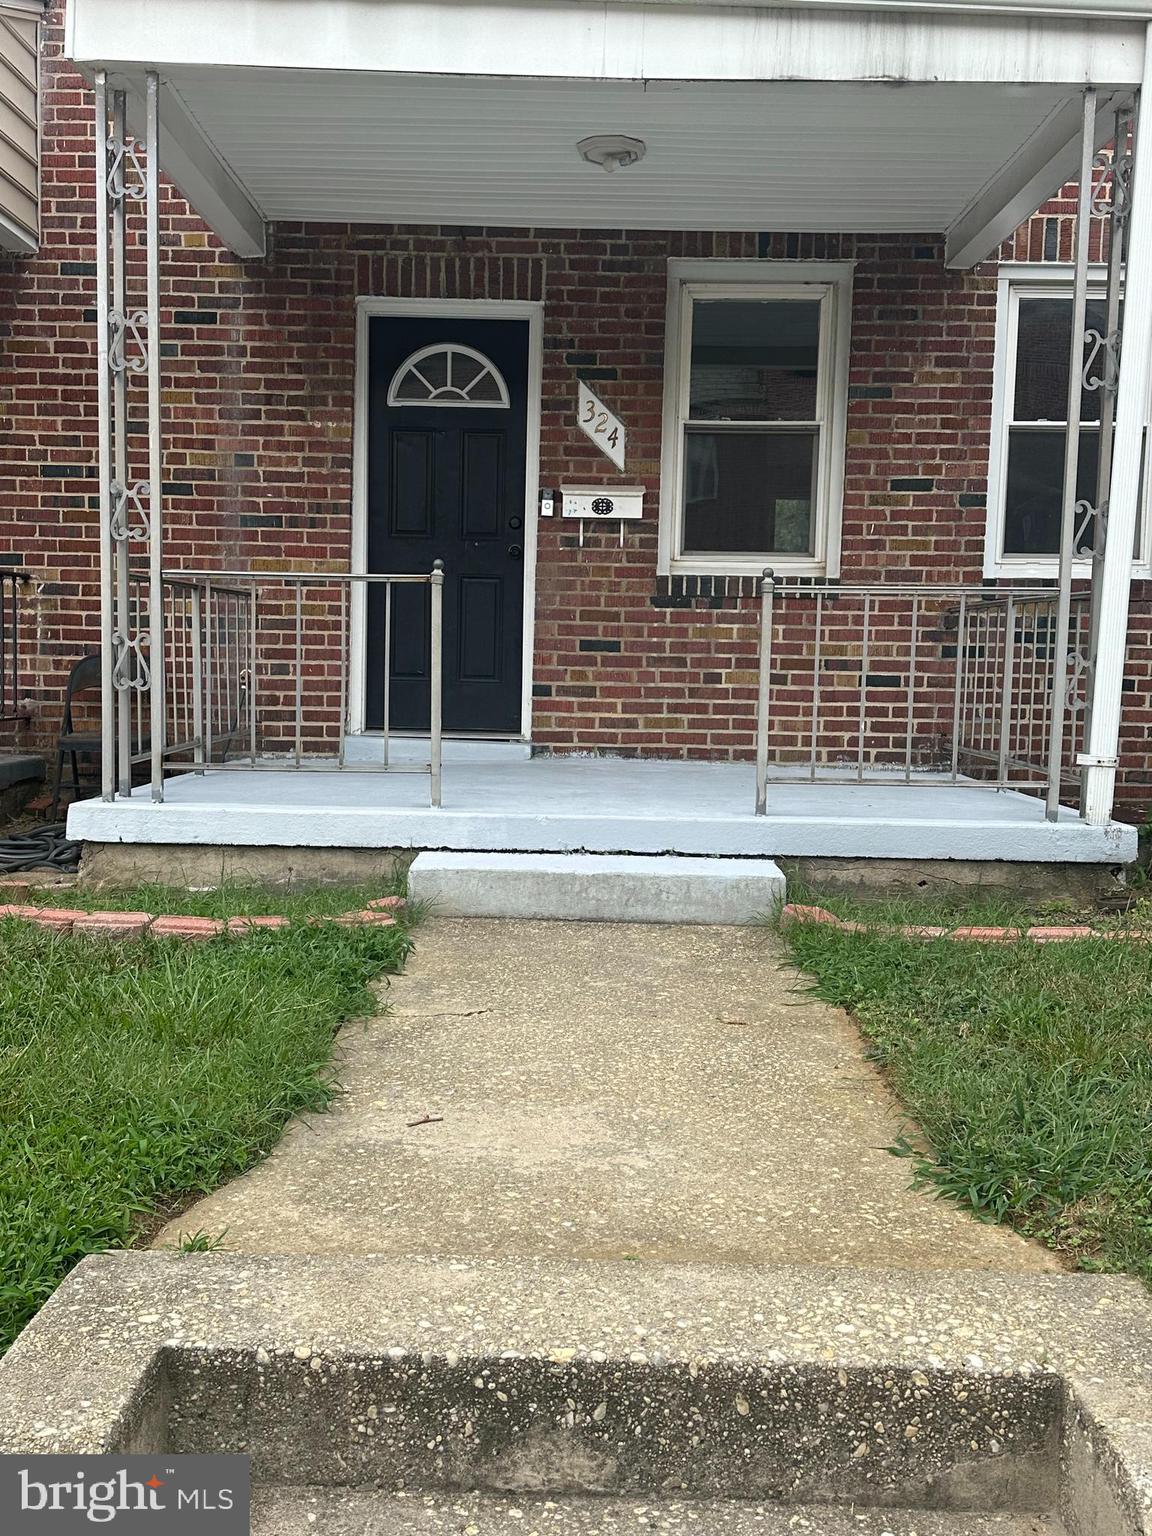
column 259, row 361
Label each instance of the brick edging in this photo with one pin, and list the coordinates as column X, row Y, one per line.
column 796, row 912
column 138, row 925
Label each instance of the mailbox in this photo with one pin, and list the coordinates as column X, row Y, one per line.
column 602, row 503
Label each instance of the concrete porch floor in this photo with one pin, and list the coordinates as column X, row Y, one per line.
column 602, row 805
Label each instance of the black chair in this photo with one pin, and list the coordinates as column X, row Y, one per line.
column 83, row 678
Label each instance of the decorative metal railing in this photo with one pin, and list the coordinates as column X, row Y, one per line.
column 258, row 668
column 11, row 583
column 926, row 684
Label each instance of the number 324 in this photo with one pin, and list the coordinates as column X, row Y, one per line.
column 591, row 414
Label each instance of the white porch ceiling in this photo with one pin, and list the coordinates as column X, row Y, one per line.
column 755, row 116
column 774, row 155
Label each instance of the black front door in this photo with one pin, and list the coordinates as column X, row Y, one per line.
column 447, row 425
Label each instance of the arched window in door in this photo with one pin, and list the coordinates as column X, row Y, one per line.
column 447, row 374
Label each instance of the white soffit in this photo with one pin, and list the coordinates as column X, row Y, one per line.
column 404, row 149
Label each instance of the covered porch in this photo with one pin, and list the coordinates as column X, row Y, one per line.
column 911, row 716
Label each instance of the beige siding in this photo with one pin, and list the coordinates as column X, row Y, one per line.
column 19, row 132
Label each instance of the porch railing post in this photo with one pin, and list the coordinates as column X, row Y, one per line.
column 342, row 740
column 156, row 629
column 197, row 679
column 105, row 466
column 436, row 663
column 1006, row 720
column 1115, row 575
column 1071, row 455
column 764, row 689
column 253, row 632
column 1115, row 211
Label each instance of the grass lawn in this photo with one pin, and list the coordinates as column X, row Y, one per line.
column 133, row 1074
column 1027, row 1069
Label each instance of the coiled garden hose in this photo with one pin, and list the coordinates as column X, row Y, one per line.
column 44, row 848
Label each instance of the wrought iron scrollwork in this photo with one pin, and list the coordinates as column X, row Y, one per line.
column 1076, row 688
column 1112, row 186
column 123, row 329
column 125, row 171
column 1085, row 515
column 1122, row 186
column 129, row 511
column 130, row 664
column 1104, row 350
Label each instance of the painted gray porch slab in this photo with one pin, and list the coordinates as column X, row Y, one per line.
column 601, row 805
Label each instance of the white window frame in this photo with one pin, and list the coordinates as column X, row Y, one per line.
column 831, row 283
column 449, row 395
column 1030, row 279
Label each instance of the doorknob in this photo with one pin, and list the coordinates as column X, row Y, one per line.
column 515, row 550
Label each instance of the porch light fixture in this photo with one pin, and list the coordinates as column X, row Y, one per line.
column 612, row 151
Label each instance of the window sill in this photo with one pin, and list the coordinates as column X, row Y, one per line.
column 1049, row 570
column 779, row 565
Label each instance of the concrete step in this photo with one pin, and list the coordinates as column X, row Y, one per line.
column 368, row 748
column 292, row 1511
column 596, row 886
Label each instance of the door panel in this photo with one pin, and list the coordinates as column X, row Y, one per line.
column 411, row 611
column 483, row 485
column 413, row 484
column 480, row 627
column 446, row 482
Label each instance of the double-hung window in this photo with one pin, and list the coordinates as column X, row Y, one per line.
column 755, row 392
column 1030, row 423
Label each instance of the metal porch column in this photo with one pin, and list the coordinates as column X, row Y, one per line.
column 1111, row 203
column 157, row 649
column 131, row 625
column 1115, row 568
column 1070, row 506
column 105, row 449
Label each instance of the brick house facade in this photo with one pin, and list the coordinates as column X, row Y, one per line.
column 259, row 391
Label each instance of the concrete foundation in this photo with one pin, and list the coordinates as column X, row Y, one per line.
column 211, row 864
column 206, row 865
column 621, row 888
column 1028, row 882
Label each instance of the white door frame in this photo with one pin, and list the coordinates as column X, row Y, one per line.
column 450, row 309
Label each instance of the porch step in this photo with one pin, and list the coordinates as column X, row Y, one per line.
column 286, row 1511
column 596, row 887
column 368, row 748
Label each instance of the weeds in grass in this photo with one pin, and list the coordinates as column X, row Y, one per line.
column 1026, row 1067
column 133, row 1073
column 203, row 1242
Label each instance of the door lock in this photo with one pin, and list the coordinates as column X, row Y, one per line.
column 515, row 550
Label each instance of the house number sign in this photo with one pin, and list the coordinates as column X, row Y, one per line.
column 597, row 422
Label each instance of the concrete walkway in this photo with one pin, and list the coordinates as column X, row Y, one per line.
column 602, row 1092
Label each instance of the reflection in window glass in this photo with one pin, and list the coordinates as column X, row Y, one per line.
column 754, row 361
column 1035, row 488
column 749, row 492
column 1043, row 342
